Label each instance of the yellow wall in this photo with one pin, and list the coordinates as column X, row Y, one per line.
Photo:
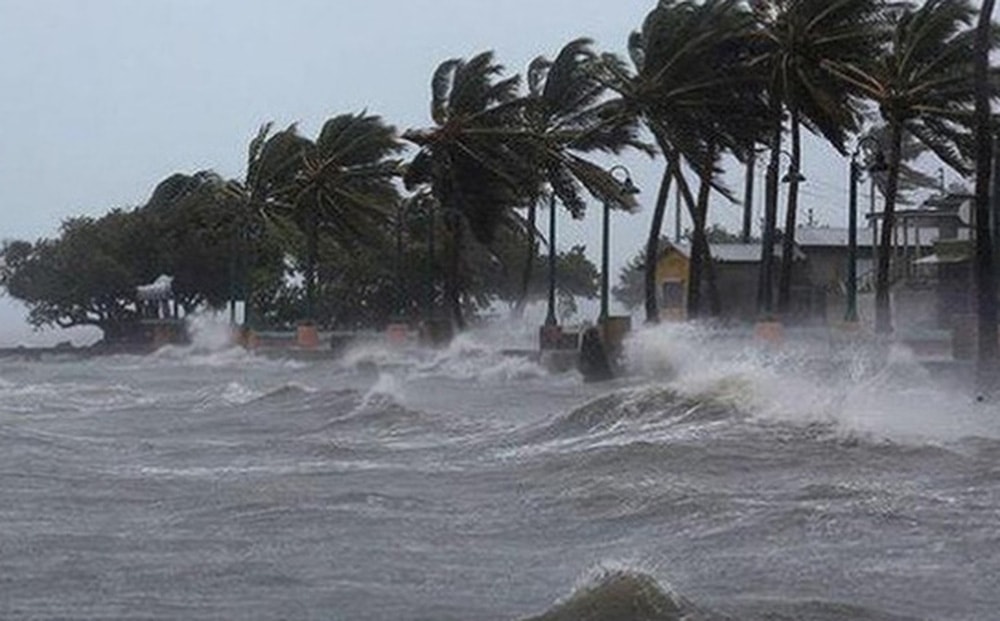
column 672, row 266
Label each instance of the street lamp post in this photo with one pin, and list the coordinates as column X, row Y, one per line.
column 605, row 259
column 629, row 188
column 851, row 312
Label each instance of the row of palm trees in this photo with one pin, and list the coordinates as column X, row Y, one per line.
column 491, row 153
column 722, row 76
column 707, row 82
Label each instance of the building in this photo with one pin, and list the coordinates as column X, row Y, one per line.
column 737, row 271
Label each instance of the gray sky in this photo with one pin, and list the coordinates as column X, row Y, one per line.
column 104, row 98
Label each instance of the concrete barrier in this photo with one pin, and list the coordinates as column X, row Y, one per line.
column 307, row 336
column 772, row 332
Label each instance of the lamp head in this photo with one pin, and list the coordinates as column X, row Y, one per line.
column 629, row 187
column 793, row 175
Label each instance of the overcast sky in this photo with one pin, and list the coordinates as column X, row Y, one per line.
column 101, row 99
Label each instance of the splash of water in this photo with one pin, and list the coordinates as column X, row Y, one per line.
column 210, row 332
column 859, row 388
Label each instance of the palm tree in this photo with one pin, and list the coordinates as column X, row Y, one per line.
column 564, row 110
column 340, row 184
column 477, row 158
column 345, row 184
column 273, row 160
column 686, row 85
column 800, row 44
column 985, row 267
column 923, row 84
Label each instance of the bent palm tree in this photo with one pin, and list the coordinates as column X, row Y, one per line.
column 923, row 84
column 985, row 266
column 800, row 44
column 345, row 185
column 339, row 184
column 477, row 158
column 564, row 111
column 262, row 196
column 687, row 86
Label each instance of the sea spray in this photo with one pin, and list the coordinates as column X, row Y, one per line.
column 857, row 388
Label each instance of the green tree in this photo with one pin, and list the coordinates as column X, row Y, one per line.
column 922, row 82
column 477, row 158
column 344, row 187
column 566, row 111
column 261, row 202
column 85, row 277
column 802, row 44
column 986, row 359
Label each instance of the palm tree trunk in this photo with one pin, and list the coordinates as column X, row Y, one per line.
column 765, row 284
column 454, row 287
column 529, row 263
column 312, row 256
column 653, row 244
column 883, row 282
column 788, row 239
column 699, row 243
column 986, row 359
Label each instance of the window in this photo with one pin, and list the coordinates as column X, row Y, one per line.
column 673, row 294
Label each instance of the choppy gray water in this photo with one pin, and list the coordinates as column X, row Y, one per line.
column 721, row 482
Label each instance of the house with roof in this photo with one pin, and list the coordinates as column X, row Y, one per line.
column 737, row 272
column 931, row 269
column 930, row 262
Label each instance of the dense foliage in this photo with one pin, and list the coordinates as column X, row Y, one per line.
column 318, row 230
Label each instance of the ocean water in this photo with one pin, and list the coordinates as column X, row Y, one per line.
column 720, row 480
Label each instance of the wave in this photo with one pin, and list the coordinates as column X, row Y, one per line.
column 815, row 610
column 70, row 397
column 467, row 357
column 858, row 390
column 623, row 595
column 641, row 406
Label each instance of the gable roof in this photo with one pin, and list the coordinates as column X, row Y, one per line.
column 731, row 253
column 832, row 237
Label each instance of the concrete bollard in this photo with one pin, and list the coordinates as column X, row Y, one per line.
column 307, row 336
column 771, row 332
column 397, row 333
column 593, row 362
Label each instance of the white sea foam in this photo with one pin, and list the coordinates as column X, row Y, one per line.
column 860, row 389
column 386, row 387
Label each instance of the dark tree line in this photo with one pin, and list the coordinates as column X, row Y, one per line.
column 703, row 83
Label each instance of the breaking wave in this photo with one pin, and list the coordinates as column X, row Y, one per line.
column 623, row 595
column 859, row 389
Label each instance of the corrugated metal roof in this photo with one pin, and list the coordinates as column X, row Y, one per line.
column 735, row 253
column 812, row 237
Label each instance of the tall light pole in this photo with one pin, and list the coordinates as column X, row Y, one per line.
column 628, row 188
column 851, row 312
